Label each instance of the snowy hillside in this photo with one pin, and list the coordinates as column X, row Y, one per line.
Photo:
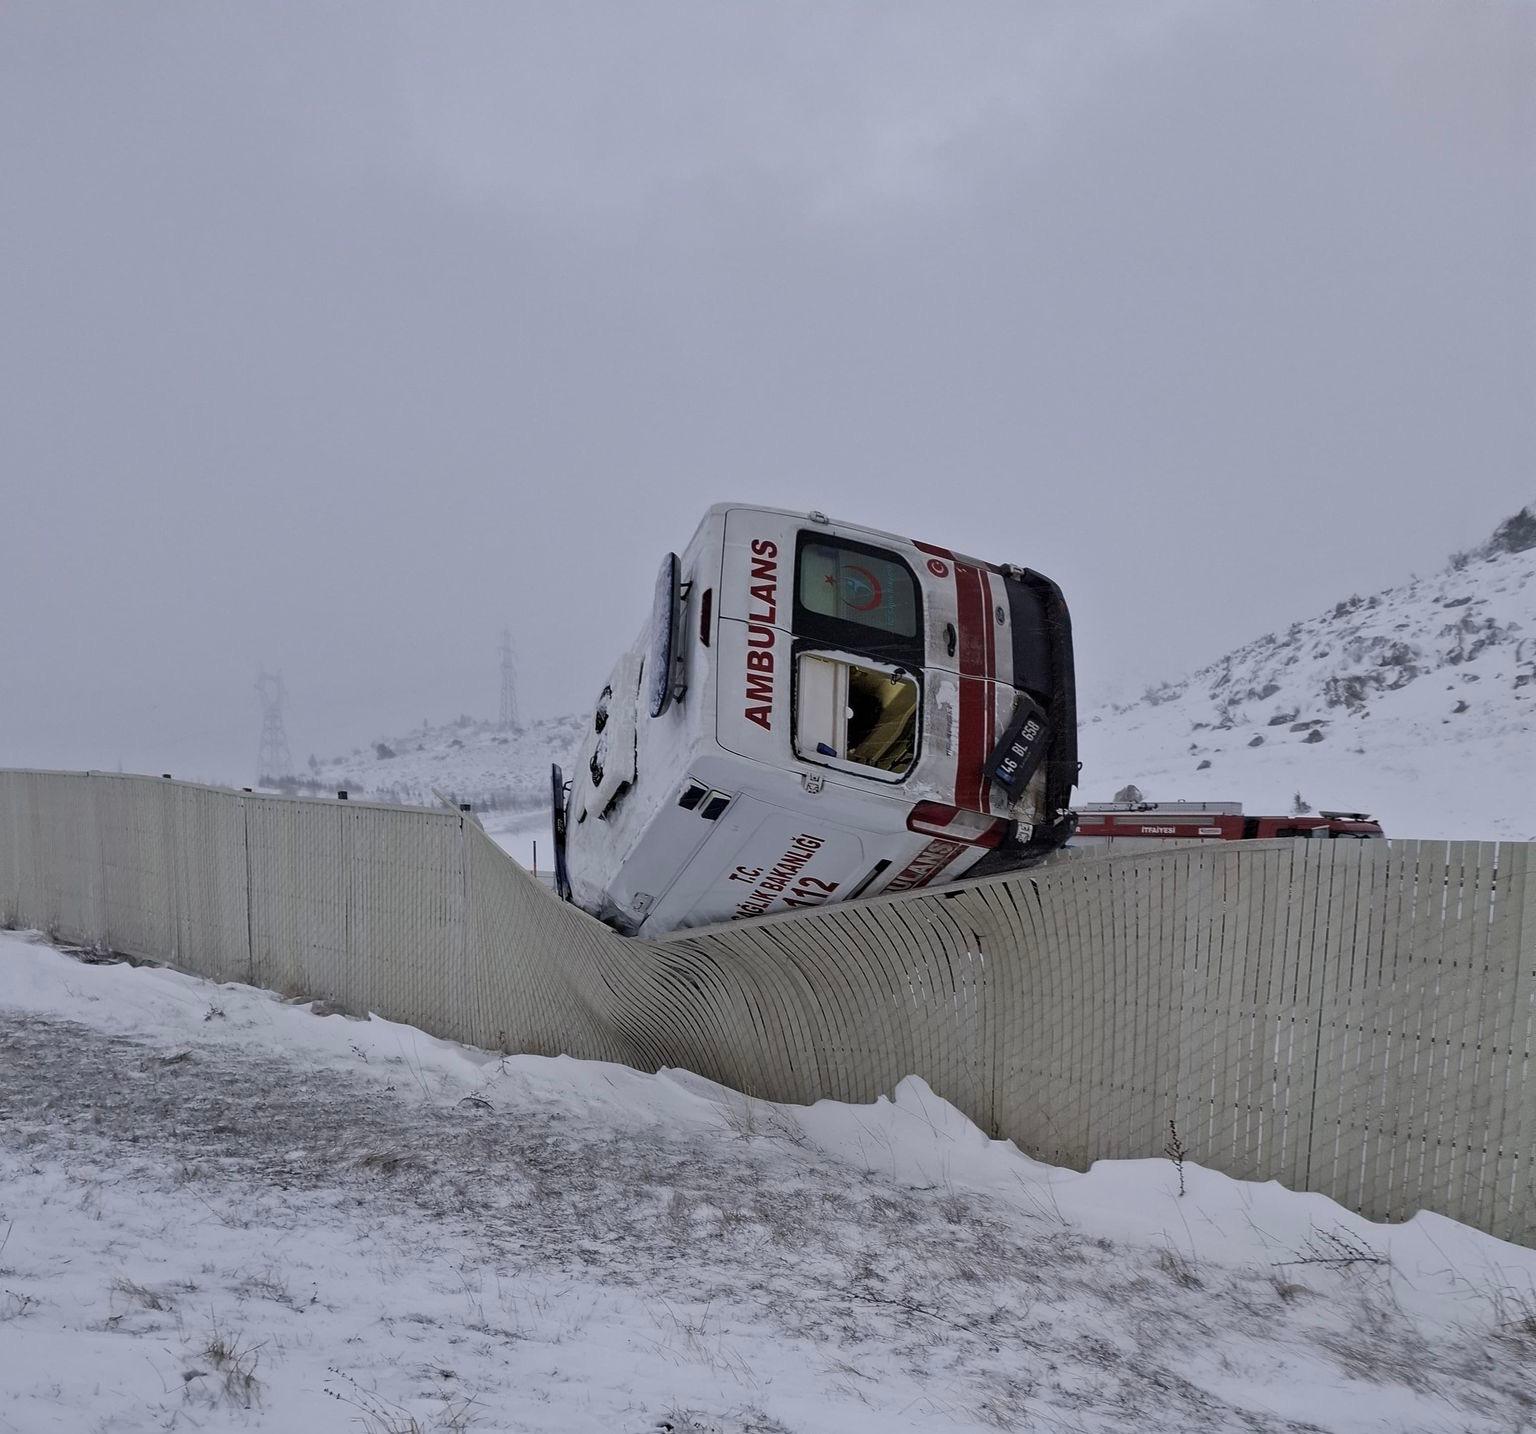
column 503, row 773
column 495, row 768
column 221, row 1210
column 1417, row 704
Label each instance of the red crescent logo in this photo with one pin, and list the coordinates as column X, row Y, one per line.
column 863, row 594
column 938, row 568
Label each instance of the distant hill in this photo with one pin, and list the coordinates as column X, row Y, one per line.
column 496, row 769
column 1417, row 703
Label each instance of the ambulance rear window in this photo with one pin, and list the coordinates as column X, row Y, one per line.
column 858, row 585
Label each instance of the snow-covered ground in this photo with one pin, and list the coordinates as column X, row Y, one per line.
column 222, row 1211
column 526, row 836
column 1416, row 704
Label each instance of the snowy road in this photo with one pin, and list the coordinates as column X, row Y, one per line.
column 222, row 1211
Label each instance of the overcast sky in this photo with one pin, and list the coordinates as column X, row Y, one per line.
column 334, row 337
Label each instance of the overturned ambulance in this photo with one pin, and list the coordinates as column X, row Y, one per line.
column 815, row 712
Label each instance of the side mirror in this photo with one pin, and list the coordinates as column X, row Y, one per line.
column 662, row 653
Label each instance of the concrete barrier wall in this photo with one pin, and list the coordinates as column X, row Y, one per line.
column 1357, row 1018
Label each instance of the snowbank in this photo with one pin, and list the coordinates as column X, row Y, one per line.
column 221, row 1210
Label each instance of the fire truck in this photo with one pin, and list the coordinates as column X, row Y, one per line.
column 1130, row 826
column 817, row 711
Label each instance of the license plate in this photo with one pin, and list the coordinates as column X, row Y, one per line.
column 1018, row 755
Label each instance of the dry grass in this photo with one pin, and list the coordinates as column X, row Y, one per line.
column 145, row 1296
column 14, row 1304
column 377, row 1414
column 271, row 1285
column 1515, row 1321
column 1179, row 1268
column 234, row 1360
column 747, row 1419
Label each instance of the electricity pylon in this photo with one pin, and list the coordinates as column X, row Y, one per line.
column 273, row 761
column 508, row 681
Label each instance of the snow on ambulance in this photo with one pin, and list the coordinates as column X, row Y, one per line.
column 816, row 712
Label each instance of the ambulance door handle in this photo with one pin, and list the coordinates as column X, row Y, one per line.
column 950, row 638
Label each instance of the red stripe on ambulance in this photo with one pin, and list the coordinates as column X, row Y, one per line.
column 975, row 695
column 977, row 656
column 926, row 865
column 989, row 702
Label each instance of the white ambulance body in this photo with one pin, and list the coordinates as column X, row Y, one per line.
column 839, row 713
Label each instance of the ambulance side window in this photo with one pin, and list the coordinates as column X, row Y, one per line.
column 857, row 597
column 849, row 715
